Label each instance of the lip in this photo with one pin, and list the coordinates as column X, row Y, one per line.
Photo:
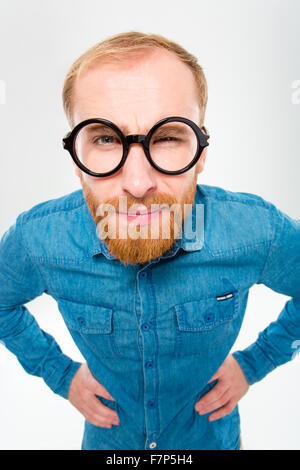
column 135, row 214
column 141, row 219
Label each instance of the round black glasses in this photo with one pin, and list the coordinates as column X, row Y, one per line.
column 172, row 146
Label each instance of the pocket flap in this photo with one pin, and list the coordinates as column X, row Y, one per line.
column 89, row 319
column 205, row 314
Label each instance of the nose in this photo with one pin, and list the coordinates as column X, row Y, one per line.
column 138, row 176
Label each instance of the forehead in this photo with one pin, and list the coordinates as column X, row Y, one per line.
column 140, row 89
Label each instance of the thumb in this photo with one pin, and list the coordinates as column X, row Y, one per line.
column 98, row 389
column 215, row 376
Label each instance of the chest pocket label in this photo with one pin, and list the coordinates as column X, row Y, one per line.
column 206, row 323
column 224, row 297
column 93, row 323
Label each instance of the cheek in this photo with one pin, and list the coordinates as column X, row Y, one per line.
column 184, row 187
column 77, row 170
column 177, row 185
column 101, row 188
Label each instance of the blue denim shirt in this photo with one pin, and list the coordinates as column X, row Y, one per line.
column 152, row 334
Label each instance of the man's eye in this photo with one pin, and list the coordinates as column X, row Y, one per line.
column 166, row 139
column 105, row 139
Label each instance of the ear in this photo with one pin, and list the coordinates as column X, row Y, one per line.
column 201, row 162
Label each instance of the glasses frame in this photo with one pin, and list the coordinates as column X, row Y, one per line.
column 68, row 143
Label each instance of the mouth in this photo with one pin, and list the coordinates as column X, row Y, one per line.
column 139, row 212
column 141, row 217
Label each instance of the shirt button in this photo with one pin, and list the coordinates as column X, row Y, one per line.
column 149, row 363
column 151, row 403
column 145, row 326
column 143, row 274
column 209, row 316
column 81, row 320
column 152, row 445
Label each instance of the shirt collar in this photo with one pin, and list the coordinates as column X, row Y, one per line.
column 191, row 235
column 193, row 227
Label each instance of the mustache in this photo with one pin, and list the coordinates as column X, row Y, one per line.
column 131, row 205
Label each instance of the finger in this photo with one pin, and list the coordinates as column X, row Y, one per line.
column 217, row 404
column 98, row 389
column 214, row 377
column 97, row 421
column 93, row 417
column 92, row 384
column 213, row 395
column 218, row 374
column 223, row 411
column 90, row 406
column 98, row 408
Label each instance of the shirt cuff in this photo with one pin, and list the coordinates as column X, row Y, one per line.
column 254, row 363
column 60, row 376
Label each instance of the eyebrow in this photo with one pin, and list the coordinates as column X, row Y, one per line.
column 173, row 128
column 97, row 126
column 166, row 128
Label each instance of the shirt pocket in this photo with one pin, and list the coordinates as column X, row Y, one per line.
column 91, row 326
column 206, row 325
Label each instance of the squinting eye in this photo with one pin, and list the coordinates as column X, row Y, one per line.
column 166, row 139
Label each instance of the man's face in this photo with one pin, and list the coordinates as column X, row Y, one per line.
column 134, row 95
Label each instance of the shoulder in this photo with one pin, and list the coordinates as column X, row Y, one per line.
column 57, row 229
column 235, row 220
column 66, row 203
column 222, row 195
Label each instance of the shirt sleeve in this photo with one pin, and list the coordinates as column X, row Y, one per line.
column 280, row 341
column 21, row 282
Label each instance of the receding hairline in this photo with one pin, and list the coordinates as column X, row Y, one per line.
column 127, row 60
column 125, row 56
column 122, row 48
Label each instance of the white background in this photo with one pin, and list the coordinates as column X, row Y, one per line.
column 250, row 53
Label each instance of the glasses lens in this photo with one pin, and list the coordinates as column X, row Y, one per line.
column 98, row 147
column 173, row 146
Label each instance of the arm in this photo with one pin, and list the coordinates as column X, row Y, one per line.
column 20, row 282
column 36, row 350
column 275, row 345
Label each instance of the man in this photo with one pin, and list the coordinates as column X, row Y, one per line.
column 151, row 271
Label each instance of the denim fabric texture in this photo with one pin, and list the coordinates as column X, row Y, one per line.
column 152, row 334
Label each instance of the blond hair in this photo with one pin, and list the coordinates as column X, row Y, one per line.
column 120, row 46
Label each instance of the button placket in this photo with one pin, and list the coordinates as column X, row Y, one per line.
column 148, row 332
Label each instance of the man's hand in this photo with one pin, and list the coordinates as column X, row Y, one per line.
column 82, row 394
column 225, row 394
